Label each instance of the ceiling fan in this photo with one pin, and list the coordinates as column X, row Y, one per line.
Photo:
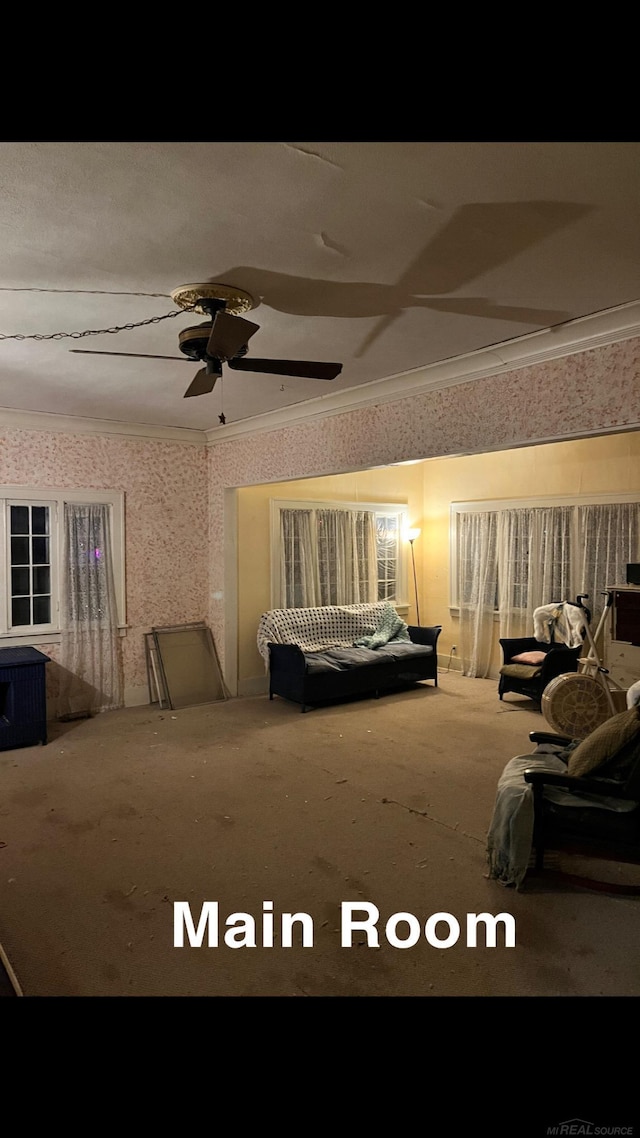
column 223, row 339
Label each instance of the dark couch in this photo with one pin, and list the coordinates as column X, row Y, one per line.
column 310, row 678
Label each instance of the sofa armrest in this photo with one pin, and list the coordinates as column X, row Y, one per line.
column 421, row 634
column 286, row 656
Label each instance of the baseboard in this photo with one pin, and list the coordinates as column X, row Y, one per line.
column 255, row 685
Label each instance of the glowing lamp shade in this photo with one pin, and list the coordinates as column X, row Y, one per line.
column 412, row 534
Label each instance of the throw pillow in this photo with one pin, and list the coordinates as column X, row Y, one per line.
column 529, row 658
column 603, row 744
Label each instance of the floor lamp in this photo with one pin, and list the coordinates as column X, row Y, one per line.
column 412, row 534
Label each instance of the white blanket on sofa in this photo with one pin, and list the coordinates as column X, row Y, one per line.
column 331, row 626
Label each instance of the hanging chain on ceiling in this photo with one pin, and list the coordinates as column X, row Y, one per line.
column 93, row 331
column 84, row 291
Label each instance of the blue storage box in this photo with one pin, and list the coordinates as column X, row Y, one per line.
column 23, row 701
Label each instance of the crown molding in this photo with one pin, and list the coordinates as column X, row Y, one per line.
column 584, row 334
column 11, row 418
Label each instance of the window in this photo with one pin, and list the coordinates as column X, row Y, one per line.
column 388, row 531
column 509, row 558
column 337, row 553
column 547, row 550
column 30, row 584
column 31, row 555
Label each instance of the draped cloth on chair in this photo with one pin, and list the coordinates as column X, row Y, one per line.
column 90, row 650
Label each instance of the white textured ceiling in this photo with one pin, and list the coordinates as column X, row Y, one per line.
column 384, row 256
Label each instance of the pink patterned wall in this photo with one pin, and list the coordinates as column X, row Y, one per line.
column 165, row 490
column 596, row 390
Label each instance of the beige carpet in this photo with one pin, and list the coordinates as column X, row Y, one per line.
column 385, row 801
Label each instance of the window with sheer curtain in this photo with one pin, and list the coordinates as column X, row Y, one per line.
column 90, row 650
column 510, row 561
column 331, row 553
column 608, row 539
column 32, row 559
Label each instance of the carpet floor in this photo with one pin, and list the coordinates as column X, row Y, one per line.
column 384, row 802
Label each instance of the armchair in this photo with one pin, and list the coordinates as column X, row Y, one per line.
column 592, row 809
column 530, row 678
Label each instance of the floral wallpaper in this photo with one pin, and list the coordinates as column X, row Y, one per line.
column 165, row 490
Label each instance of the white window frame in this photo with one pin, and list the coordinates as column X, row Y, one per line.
column 396, row 509
column 56, row 499
column 497, row 504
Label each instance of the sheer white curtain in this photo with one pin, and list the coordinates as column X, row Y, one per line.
column 327, row 557
column 609, row 538
column 519, row 559
column 554, row 568
column 534, row 564
column 346, row 542
column 90, row 650
column 477, row 589
column 299, row 580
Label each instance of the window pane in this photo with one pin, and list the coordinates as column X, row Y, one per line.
column 41, row 578
column 20, row 582
column 19, row 550
column 40, row 548
column 386, row 591
column 387, row 531
column 20, row 611
column 41, row 610
column 19, row 519
column 39, row 519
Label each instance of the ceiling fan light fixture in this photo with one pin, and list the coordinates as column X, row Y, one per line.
column 193, row 341
column 236, row 300
column 224, row 338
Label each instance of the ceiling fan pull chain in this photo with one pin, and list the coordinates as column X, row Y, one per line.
column 221, row 416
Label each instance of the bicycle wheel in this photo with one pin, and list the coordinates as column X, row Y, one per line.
column 574, row 704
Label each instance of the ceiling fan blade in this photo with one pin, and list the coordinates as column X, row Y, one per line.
column 133, row 355
column 228, row 335
column 202, row 383
column 303, row 368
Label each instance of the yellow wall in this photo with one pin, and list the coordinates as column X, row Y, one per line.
column 608, row 464
column 402, row 484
